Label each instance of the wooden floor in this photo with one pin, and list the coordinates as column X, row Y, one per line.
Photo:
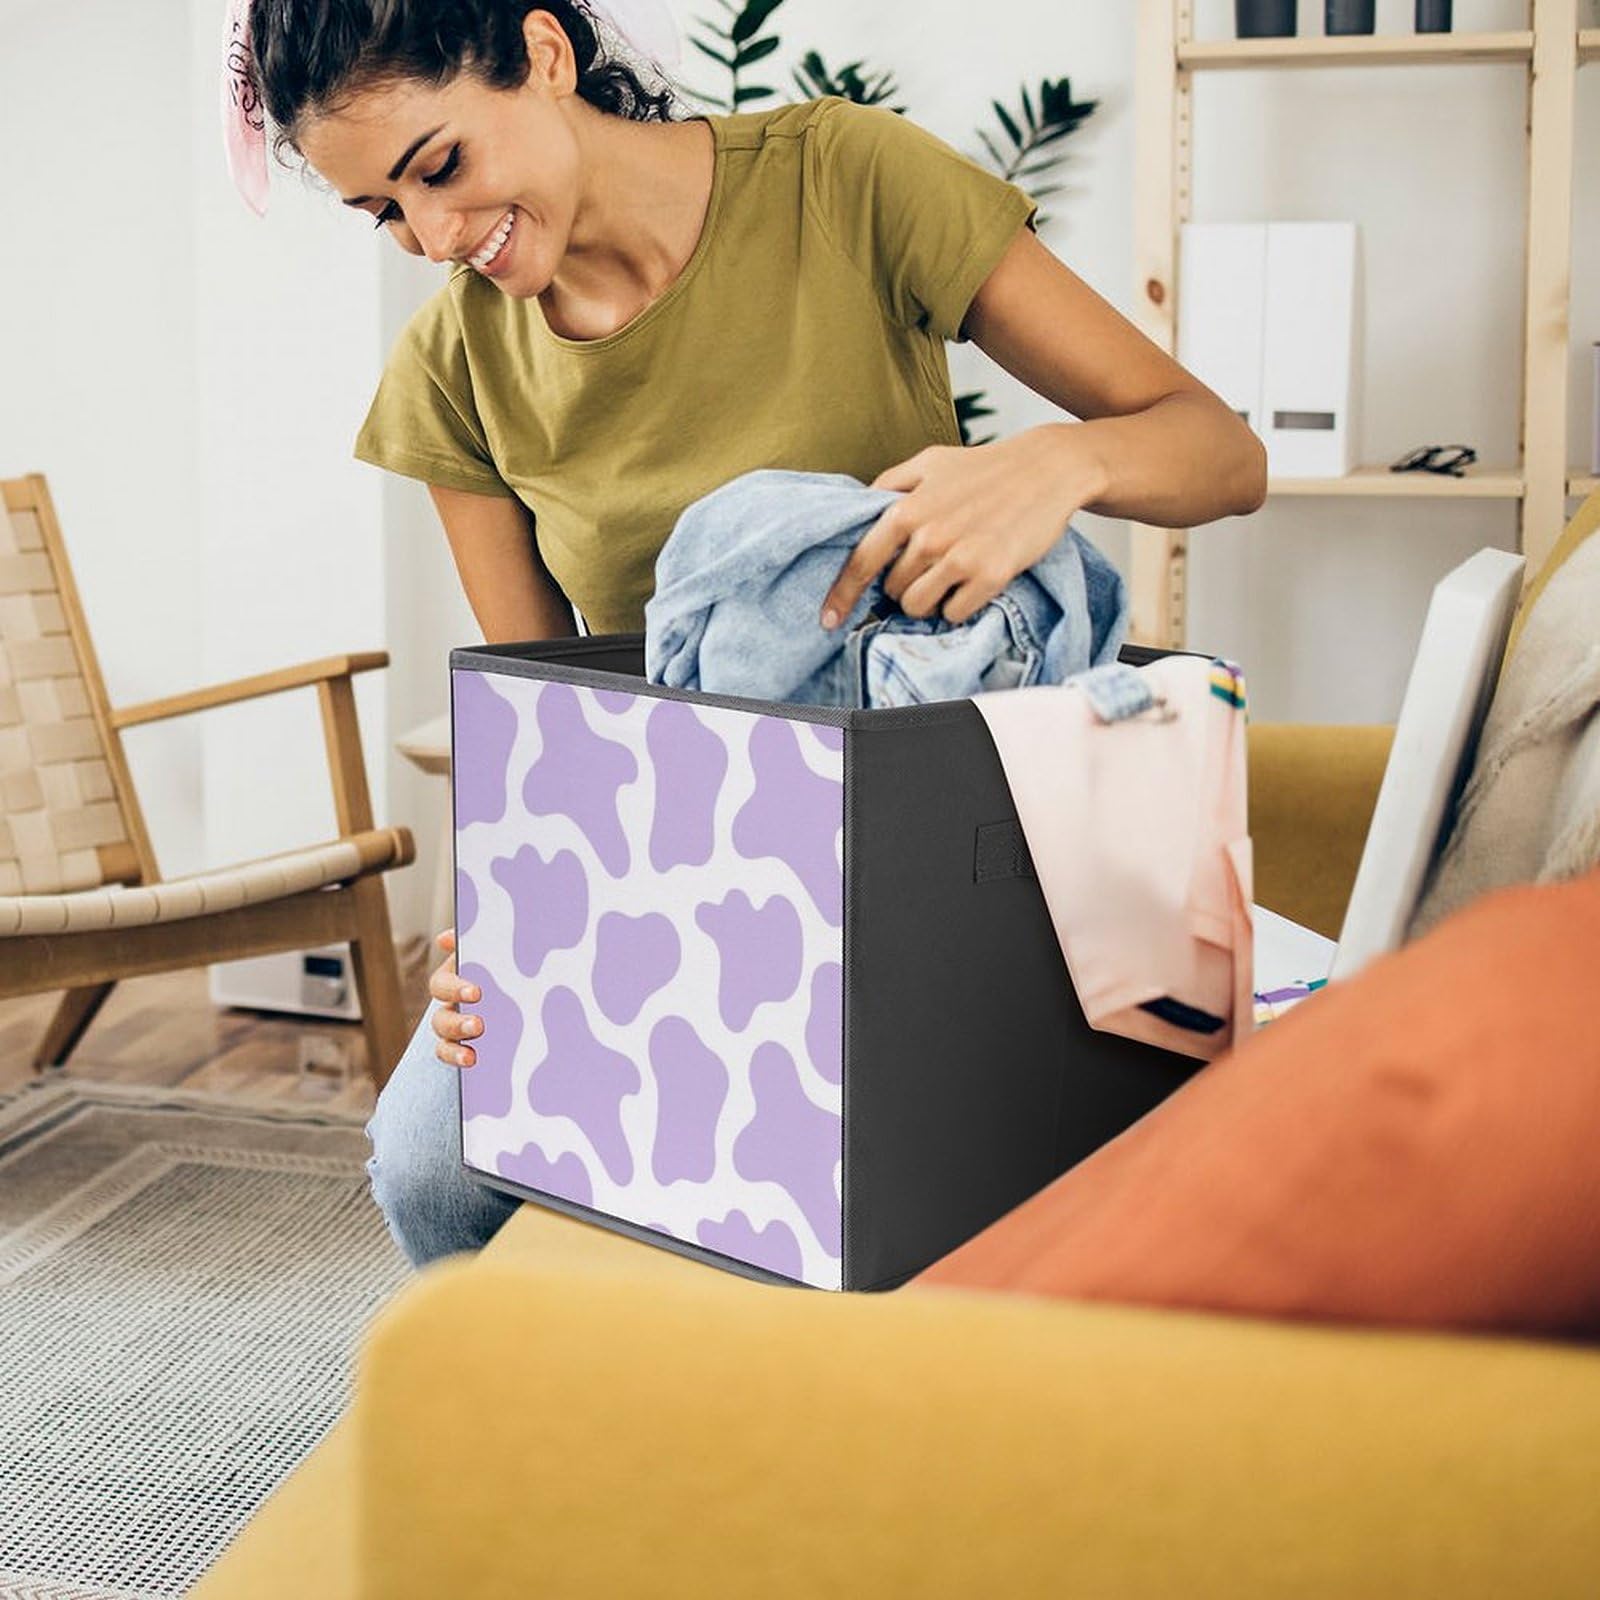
column 165, row 1030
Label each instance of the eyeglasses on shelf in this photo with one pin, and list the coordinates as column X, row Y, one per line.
column 1453, row 459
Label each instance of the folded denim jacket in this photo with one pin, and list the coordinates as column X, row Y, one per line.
column 739, row 586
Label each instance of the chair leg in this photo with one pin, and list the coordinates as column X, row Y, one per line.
column 72, row 1017
column 377, row 965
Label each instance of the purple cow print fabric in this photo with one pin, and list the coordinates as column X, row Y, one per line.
column 650, row 895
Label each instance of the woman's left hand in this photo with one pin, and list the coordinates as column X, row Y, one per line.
column 971, row 518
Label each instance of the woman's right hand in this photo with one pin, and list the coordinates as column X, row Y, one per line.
column 449, row 1022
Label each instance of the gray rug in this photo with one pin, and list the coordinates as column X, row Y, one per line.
column 184, row 1282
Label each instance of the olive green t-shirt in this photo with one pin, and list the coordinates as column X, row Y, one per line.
column 841, row 247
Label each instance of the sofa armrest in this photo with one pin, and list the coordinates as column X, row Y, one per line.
column 526, row 1429
column 1312, row 793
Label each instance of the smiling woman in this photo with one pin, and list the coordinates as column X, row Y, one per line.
column 639, row 308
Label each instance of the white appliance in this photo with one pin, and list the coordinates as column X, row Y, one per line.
column 315, row 983
column 1222, row 296
column 1309, row 349
column 1267, row 318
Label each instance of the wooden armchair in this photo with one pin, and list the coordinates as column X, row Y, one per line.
column 82, row 901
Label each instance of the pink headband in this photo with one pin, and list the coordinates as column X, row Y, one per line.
column 646, row 26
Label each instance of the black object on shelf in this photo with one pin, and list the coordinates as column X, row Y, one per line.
column 1450, row 459
column 1350, row 16
column 1433, row 16
column 1264, row 19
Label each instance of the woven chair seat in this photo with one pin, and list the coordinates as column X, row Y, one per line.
column 206, row 893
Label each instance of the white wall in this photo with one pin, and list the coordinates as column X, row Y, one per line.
column 288, row 333
column 97, row 347
column 123, row 359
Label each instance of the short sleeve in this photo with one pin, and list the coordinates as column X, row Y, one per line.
column 927, row 223
column 423, row 421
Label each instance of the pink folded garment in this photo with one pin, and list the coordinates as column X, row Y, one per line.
column 1131, row 788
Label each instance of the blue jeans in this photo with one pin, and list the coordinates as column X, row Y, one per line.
column 432, row 1206
column 895, row 660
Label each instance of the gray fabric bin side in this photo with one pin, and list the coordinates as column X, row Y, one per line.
column 971, row 1076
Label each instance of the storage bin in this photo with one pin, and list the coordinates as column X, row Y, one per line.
column 771, row 985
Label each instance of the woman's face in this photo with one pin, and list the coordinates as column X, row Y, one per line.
column 447, row 169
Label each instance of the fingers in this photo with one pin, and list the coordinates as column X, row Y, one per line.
column 925, row 555
column 454, row 1029
column 957, row 586
column 904, row 476
column 871, row 554
column 450, row 989
column 443, row 982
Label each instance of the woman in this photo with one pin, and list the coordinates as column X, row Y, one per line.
column 640, row 308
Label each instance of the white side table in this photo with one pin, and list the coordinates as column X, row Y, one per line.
column 427, row 746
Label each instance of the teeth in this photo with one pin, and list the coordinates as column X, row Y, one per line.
column 492, row 249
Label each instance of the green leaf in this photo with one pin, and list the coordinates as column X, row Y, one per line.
column 1050, row 135
column 814, row 78
column 751, row 92
column 1006, row 122
column 1044, row 193
column 751, row 18
column 1057, row 105
column 989, row 145
column 706, row 49
column 968, row 408
column 1027, row 107
column 757, row 51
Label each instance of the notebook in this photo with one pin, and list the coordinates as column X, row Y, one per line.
column 1447, row 697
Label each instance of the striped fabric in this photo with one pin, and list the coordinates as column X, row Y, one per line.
column 1227, row 683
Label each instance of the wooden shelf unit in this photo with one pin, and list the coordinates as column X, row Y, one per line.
column 1493, row 483
column 1549, row 50
column 1366, row 50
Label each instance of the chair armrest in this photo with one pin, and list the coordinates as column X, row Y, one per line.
column 600, row 1431
column 352, row 803
column 223, row 694
column 1312, row 793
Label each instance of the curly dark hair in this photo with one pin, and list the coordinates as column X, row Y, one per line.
column 312, row 56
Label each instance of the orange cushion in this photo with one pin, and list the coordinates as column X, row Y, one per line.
column 1419, row 1145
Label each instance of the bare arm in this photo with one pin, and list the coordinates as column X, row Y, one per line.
column 1154, row 444
column 508, row 587
column 1174, row 455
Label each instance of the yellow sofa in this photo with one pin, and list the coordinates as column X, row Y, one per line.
column 571, row 1415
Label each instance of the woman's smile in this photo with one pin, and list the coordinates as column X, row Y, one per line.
column 494, row 255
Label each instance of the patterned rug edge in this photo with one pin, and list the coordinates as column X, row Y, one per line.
column 45, row 1093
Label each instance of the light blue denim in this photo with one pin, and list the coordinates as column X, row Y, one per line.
column 739, row 586
column 432, row 1205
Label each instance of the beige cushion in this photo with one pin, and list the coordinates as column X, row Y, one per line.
column 1530, row 812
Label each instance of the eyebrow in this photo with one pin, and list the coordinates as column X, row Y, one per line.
column 401, row 165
